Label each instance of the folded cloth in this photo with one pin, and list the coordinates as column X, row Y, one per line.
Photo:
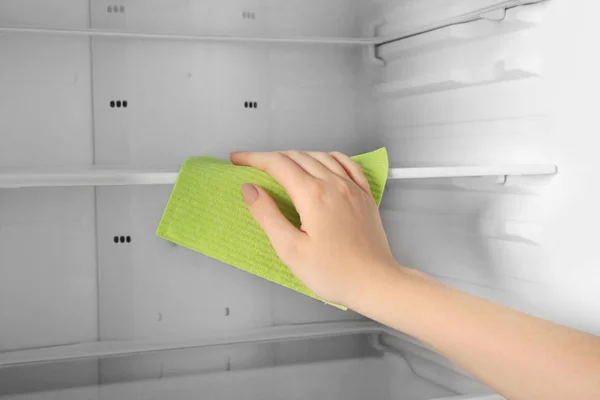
column 206, row 213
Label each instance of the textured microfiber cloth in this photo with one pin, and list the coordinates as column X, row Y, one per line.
column 206, row 213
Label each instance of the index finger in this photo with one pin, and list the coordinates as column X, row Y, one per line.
column 282, row 168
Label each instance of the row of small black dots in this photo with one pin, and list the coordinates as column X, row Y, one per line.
column 115, row 9
column 118, row 103
column 122, row 239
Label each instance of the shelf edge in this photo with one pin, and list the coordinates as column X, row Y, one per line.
column 187, row 37
column 119, row 348
column 29, row 179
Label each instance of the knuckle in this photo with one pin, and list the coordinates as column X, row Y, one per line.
column 277, row 161
column 345, row 187
column 353, row 164
column 315, row 188
column 292, row 153
column 338, row 154
column 276, row 157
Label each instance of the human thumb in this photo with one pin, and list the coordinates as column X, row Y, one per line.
column 281, row 232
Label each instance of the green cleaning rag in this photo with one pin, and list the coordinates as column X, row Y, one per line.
column 206, row 213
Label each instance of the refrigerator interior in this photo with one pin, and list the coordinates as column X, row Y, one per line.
column 100, row 102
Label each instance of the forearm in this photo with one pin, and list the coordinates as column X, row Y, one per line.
column 342, row 254
column 519, row 356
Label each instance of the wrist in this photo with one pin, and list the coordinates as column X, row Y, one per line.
column 397, row 296
column 375, row 285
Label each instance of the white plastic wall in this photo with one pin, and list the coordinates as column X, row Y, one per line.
column 64, row 279
column 516, row 88
column 485, row 92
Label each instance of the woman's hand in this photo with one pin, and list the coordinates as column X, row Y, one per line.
column 341, row 246
column 342, row 254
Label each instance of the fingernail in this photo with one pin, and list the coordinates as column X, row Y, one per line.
column 249, row 193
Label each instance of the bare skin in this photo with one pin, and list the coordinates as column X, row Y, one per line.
column 519, row 356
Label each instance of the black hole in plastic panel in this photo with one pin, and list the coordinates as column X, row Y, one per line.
column 128, row 239
column 122, row 239
column 245, row 104
column 125, row 103
column 116, row 239
column 122, row 9
column 109, row 9
column 251, row 105
column 115, row 8
column 227, row 311
column 118, row 103
column 255, row 105
column 112, row 104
